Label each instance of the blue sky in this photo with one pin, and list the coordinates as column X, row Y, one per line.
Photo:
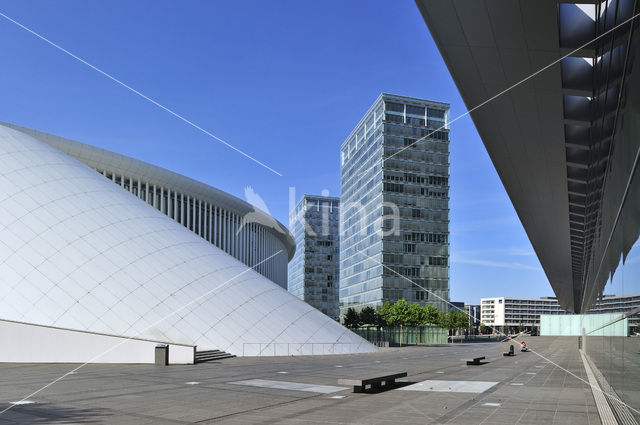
column 284, row 81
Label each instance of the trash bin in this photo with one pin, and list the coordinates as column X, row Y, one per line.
column 162, row 355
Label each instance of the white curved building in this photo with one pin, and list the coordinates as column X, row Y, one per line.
column 231, row 224
column 93, row 273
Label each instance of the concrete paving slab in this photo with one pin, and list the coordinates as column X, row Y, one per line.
column 450, row 386
column 146, row 394
column 292, row 386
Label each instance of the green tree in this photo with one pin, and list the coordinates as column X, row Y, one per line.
column 462, row 319
column 351, row 318
column 415, row 315
column 430, row 313
column 453, row 320
column 368, row 316
column 398, row 315
column 384, row 313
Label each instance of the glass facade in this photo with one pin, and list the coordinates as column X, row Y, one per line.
column 615, row 359
column 314, row 269
column 395, row 205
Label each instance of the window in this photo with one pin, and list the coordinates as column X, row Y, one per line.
column 394, row 118
column 415, row 121
column 435, row 113
column 393, row 187
column 395, row 107
column 408, row 141
column 415, row 110
column 437, row 261
column 329, row 257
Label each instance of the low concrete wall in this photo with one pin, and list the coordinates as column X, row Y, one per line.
column 28, row 343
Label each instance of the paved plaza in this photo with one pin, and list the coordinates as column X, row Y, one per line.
column 439, row 389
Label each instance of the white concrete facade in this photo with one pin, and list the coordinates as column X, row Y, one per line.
column 80, row 253
column 492, row 311
column 238, row 228
column 27, row 343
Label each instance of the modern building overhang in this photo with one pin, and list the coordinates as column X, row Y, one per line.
column 553, row 125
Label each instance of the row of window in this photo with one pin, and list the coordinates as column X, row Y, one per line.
column 426, row 237
column 324, row 243
column 414, row 110
column 412, row 178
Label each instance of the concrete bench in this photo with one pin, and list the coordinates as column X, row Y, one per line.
column 373, row 382
column 509, row 353
column 473, row 361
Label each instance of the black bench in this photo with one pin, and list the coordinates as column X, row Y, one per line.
column 509, row 353
column 373, row 382
column 473, row 361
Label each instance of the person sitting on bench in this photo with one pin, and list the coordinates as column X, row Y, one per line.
column 523, row 346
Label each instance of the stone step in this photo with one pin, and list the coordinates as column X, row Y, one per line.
column 211, row 355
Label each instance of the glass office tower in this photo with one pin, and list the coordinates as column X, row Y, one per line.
column 395, row 205
column 314, row 269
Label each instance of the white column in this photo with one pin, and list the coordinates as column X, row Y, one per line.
column 200, row 230
column 182, row 210
column 226, row 231
column 146, row 196
column 215, row 225
column 162, row 199
column 270, row 252
column 175, row 205
column 262, row 256
column 154, row 201
column 244, row 244
column 234, row 239
column 210, row 211
column 231, row 244
column 250, row 244
column 223, row 229
column 189, row 212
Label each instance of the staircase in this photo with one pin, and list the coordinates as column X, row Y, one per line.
column 211, row 355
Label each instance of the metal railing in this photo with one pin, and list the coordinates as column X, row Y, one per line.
column 302, row 348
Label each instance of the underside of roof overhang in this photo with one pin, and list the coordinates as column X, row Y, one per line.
column 563, row 131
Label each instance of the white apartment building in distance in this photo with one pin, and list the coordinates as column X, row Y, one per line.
column 507, row 314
